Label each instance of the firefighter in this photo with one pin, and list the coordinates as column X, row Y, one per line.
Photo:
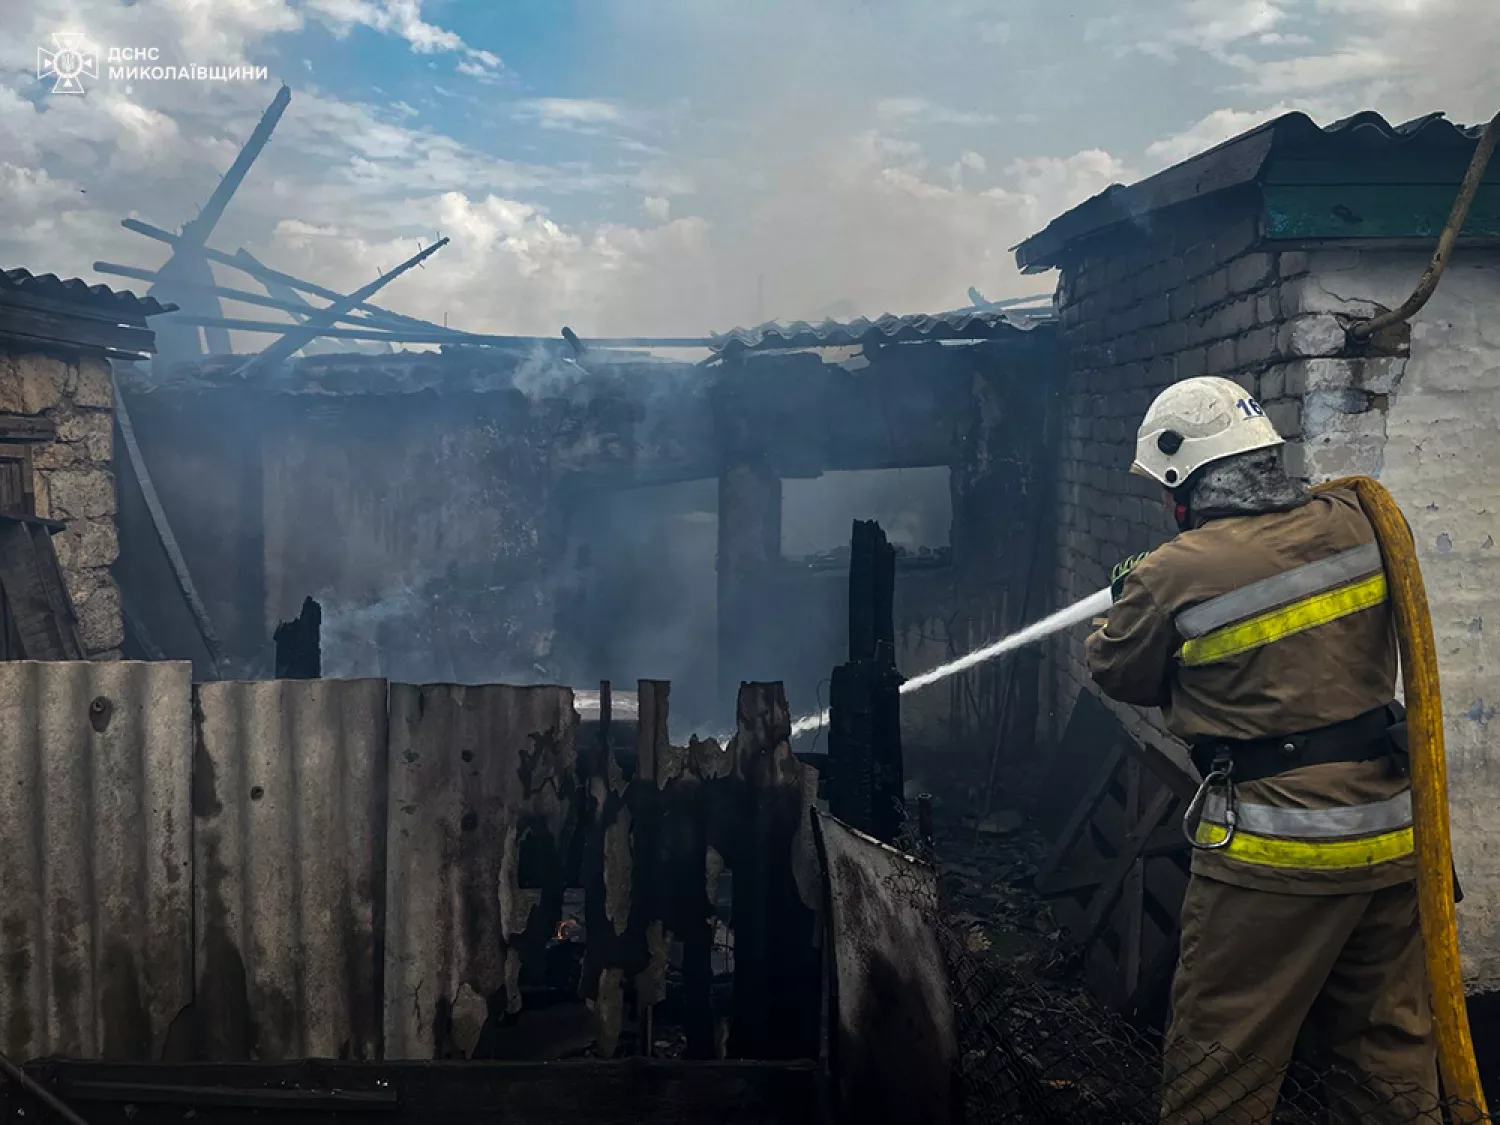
column 1265, row 635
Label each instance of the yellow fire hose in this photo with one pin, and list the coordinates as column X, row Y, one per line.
column 1429, row 795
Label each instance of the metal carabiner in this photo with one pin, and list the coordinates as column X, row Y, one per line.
column 1222, row 770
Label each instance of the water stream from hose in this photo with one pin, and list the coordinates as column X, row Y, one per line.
column 1091, row 606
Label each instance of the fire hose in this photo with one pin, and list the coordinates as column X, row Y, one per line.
column 1429, row 795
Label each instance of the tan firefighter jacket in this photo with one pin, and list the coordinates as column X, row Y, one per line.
column 1266, row 625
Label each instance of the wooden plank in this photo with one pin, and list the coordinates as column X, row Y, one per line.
column 59, row 604
column 42, row 615
column 1082, row 813
column 652, row 753
column 1109, row 890
column 592, row 1092
column 26, row 429
column 1071, row 880
column 652, row 743
column 15, row 488
column 1092, row 731
column 776, row 958
column 1374, row 211
column 76, row 332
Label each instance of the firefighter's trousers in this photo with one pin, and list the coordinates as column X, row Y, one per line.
column 1255, row 966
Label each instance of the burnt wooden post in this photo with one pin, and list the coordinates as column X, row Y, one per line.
column 864, row 726
column 299, row 644
column 777, row 962
column 872, row 591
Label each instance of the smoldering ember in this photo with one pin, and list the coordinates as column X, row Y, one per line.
column 803, row 722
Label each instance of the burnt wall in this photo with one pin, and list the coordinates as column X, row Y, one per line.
column 420, row 522
column 987, row 412
column 462, row 523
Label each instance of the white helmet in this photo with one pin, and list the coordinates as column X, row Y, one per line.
column 1195, row 423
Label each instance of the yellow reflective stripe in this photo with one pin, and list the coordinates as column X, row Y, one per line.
column 1310, row 855
column 1298, row 617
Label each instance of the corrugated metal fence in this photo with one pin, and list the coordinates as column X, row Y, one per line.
column 330, row 869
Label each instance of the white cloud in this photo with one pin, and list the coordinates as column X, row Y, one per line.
column 569, row 113
column 402, row 18
column 922, row 111
column 834, row 175
column 1311, row 73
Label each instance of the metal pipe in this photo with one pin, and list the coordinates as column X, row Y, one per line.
column 38, row 1091
column 1364, row 329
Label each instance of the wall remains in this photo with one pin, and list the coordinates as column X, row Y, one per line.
column 73, row 478
column 1425, row 425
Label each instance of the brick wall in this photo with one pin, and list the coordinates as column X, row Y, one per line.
column 74, row 479
column 1186, row 295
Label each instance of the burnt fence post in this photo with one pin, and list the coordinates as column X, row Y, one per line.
column 864, row 724
column 778, row 962
column 299, row 644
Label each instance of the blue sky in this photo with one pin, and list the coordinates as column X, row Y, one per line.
column 679, row 165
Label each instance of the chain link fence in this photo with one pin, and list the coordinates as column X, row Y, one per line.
column 1036, row 1047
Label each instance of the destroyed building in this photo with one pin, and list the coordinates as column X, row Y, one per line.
column 476, row 515
column 466, row 534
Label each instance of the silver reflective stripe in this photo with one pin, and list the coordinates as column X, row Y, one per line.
column 1315, row 824
column 1278, row 590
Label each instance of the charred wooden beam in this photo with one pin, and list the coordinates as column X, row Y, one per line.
column 186, row 276
column 284, row 303
column 777, row 978
column 26, row 429
column 872, row 591
column 864, row 735
column 36, row 599
column 168, row 540
column 297, row 335
column 246, row 263
column 550, row 1093
column 299, row 649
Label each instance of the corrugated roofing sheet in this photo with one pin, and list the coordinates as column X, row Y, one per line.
column 289, row 813
column 965, row 324
column 482, row 784
column 1239, row 161
column 95, row 872
column 96, row 298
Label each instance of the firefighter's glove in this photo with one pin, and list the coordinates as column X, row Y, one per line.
column 1117, row 576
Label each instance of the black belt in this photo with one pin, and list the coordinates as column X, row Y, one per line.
column 1379, row 733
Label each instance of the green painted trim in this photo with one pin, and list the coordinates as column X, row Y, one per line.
column 1430, row 168
column 1371, row 211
